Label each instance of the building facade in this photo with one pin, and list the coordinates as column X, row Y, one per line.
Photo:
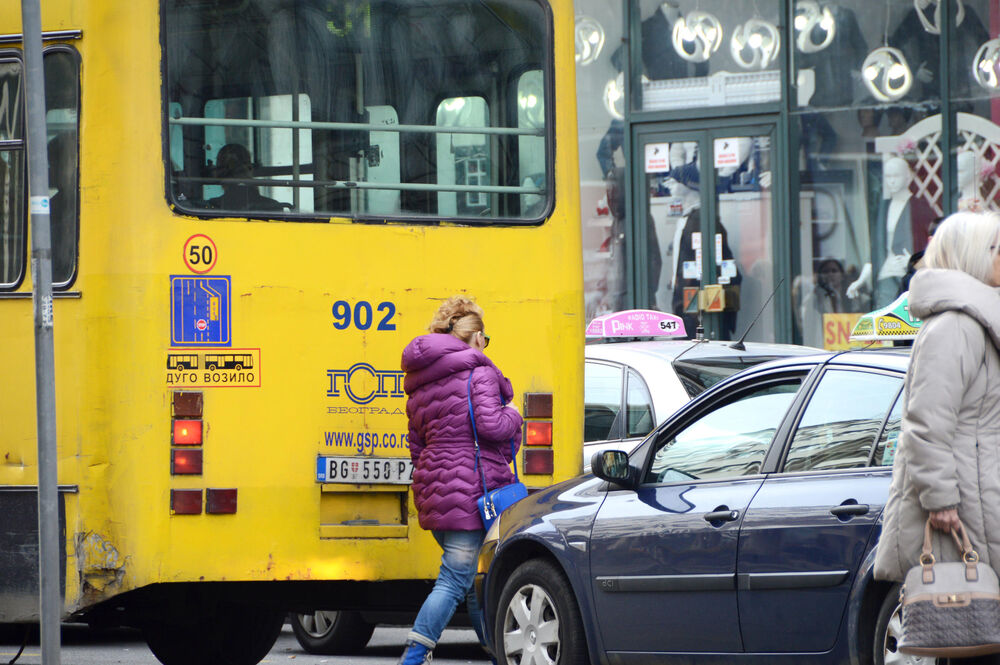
column 731, row 150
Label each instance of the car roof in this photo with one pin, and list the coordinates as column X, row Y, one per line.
column 889, row 358
column 668, row 350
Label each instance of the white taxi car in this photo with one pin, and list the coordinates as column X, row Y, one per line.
column 630, row 387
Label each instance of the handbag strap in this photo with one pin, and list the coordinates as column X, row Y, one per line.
column 969, row 556
column 475, row 439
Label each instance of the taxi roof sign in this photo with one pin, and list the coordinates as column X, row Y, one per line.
column 890, row 322
column 637, row 323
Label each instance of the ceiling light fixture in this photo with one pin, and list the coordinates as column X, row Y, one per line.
column 697, row 36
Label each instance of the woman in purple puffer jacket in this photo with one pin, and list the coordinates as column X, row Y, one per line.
column 446, row 482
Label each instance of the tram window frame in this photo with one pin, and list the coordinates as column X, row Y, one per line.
column 21, row 145
column 537, row 55
column 74, row 229
column 17, row 145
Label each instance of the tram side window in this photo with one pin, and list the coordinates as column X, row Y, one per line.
column 62, row 109
column 377, row 86
column 531, row 149
column 12, row 173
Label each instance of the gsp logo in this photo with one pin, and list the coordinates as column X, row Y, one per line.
column 362, row 383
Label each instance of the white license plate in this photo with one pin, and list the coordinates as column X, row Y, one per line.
column 393, row 470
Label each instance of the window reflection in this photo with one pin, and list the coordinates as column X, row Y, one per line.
column 840, row 423
column 12, row 174
column 727, row 442
column 709, row 53
column 602, row 399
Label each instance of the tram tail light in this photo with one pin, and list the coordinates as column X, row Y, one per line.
column 188, row 404
column 220, row 501
column 538, row 433
column 539, row 460
column 538, row 405
column 187, row 433
column 185, row 461
column 185, row 502
column 538, row 453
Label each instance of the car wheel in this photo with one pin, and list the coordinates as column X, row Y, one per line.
column 888, row 633
column 331, row 632
column 537, row 620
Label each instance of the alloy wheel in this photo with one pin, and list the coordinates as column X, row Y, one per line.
column 531, row 628
column 317, row 624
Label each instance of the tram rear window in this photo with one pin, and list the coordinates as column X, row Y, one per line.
column 370, row 109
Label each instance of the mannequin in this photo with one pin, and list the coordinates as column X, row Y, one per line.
column 684, row 246
column 969, row 195
column 689, row 201
column 900, row 230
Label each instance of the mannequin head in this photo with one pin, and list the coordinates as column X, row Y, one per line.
column 897, row 177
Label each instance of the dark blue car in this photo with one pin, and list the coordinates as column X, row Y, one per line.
column 742, row 528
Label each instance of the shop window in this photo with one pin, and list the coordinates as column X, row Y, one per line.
column 699, row 53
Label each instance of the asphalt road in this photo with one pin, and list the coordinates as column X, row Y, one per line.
column 84, row 646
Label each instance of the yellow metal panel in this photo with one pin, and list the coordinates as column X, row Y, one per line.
column 112, row 345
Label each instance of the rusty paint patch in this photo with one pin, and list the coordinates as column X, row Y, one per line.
column 100, row 565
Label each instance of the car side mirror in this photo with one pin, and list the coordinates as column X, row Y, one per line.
column 612, row 466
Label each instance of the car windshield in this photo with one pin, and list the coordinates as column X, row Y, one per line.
column 699, row 374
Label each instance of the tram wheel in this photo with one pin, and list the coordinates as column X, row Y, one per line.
column 231, row 635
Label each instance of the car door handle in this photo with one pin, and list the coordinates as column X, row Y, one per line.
column 722, row 516
column 849, row 509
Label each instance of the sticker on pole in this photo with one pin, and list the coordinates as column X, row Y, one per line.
column 890, row 322
column 39, row 205
column 637, row 323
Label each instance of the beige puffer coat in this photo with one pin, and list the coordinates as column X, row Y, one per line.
column 949, row 451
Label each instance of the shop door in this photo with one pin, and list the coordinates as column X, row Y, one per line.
column 706, row 253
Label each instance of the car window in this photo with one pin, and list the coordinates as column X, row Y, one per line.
column 602, row 401
column 885, row 451
column 728, row 441
column 638, row 407
column 841, row 421
column 699, row 374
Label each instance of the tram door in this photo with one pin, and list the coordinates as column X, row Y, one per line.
column 706, row 252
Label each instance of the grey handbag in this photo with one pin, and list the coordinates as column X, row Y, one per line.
column 950, row 610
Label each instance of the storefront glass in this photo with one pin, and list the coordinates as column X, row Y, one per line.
column 698, row 53
column 974, row 48
column 868, row 113
column 600, row 61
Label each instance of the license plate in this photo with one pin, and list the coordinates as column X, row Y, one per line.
column 393, row 470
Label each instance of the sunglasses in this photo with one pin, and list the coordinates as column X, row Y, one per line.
column 486, row 337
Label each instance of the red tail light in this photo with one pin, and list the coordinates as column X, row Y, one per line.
column 539, row 460
column 220, row 501
column 187, row 433
column 185, row 461
column 185, row 502
column 538, row 433
column 188, row 404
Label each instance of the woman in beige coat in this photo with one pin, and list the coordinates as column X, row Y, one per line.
column 948, row 463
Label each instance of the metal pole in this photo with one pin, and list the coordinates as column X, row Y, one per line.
column 49, row 575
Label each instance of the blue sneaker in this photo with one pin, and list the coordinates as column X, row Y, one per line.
column 415, row 654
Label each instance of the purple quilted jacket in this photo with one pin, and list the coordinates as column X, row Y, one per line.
column 446, row 483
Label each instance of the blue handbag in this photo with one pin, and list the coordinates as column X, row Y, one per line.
column 494, row 502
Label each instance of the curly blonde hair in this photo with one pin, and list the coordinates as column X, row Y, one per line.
column 459, row 316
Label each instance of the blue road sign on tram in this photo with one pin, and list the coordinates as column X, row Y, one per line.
column 200, row 311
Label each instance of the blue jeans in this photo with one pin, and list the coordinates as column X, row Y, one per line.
column 454, row 582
